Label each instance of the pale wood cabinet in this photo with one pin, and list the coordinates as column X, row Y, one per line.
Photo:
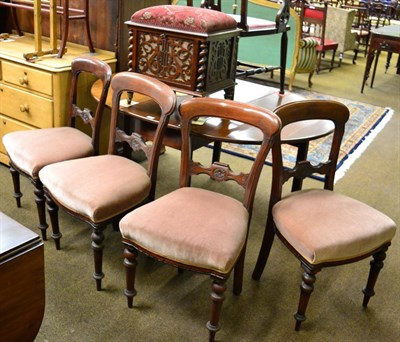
column 107, row 24
column 35, row 95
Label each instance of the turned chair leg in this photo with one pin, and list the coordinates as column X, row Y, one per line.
column 217, row 298
column 376, row 266
column 41, row 207
column 98, row 247
column 130, row 264
column 52, row 209
column 17, row 188
column 307, row 287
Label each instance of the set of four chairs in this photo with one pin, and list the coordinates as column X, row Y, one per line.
column 320, row 227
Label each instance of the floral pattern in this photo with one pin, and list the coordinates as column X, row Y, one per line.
column 185, row 18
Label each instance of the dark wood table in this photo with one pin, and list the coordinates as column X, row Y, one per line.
column 145, row 114
column 22, row 293
column 386, row 38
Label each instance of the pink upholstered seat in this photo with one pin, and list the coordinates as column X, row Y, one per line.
column 326, row 226
column 31, row 150
column 199, row 229
column 183, row 18
column 183, row 236
column 320, row 227
column 97, row 200
column 101, row 189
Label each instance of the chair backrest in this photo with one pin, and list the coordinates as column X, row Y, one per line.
column 281, row 20
column 241, row 113
column 296, row 111
column 100, row 70
column 157, row 91
column 338, row 27
column 313, row 20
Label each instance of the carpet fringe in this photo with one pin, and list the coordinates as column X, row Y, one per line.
column 363, row 144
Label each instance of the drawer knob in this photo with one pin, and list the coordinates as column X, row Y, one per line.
column 24, row 80
column 24, row 108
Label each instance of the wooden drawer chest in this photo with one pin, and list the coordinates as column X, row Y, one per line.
column 35, row 94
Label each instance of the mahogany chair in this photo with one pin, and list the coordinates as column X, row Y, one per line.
column 101, row 189
column 198, row 229
column 320, row 227
column 313, row 21
column 31, row 150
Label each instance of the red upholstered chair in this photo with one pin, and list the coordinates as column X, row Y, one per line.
column 101, row 189
column 313, row 20
column 320, row 227
column 195, row 228
column 31, row 150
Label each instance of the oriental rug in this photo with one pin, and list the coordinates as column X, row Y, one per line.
column 365, row 122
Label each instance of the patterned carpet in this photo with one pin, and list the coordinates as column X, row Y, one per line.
column 365, row 122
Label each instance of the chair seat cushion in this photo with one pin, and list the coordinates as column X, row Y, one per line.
column 324, row 226
column 255, row 23
column 361, row 32
column 184, row 18
column 31, row 150
column 328, row 45
column 98, row 187
column 190, row 226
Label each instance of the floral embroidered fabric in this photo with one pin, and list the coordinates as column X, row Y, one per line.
column 185, row 18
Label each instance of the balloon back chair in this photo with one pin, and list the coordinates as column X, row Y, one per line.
column 322, row 228
column 200, row 229
column 31, row 150
column 101, row 189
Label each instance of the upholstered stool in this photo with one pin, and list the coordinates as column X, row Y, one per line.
column 194, row 50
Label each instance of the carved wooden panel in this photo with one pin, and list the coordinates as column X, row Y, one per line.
column 185, row 61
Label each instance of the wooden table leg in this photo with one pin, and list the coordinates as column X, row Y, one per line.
column 378, row 53
column 370, row 58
